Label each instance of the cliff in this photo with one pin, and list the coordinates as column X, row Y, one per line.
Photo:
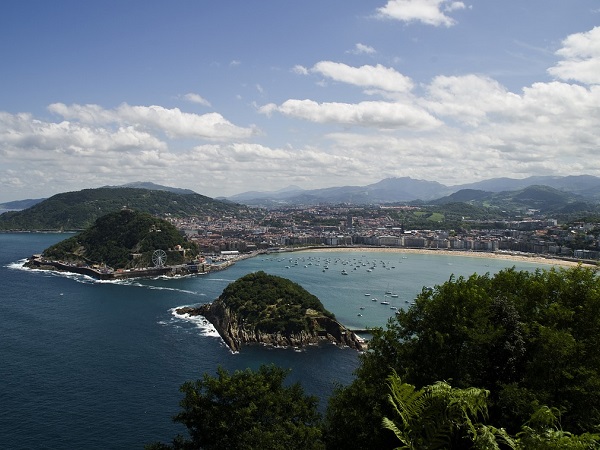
column 235, row 332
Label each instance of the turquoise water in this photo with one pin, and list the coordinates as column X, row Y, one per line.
column 88, row 364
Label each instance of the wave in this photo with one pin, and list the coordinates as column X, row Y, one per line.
column 202, row 323
column 19, row 265
column 86, row 279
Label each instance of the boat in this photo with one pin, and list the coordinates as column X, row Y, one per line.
column 359, row 315
column 367, row 295
column 344, row 272
column 385, row 302
column 394, row 295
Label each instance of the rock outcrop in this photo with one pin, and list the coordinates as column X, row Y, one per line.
column 231, row 328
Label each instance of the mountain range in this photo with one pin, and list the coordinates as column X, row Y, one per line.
column 406, row 189
column 558, row 196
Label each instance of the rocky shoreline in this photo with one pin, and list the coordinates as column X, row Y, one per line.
column 231, row 329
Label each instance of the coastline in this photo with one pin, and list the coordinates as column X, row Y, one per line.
column 510, row 256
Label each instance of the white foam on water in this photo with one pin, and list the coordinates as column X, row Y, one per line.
column 19, row 265
column 202, row 323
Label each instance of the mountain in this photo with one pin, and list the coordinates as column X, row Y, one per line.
column 123, row 240
column 78, row 210
column 389, row 190
column 155, row 187
column 406, row 189
column 584, row 185
column 284, row 193
column 542, row 198
column 18, row 205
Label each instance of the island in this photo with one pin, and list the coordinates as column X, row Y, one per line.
column 259, row 308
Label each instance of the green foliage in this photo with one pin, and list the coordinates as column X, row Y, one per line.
column 530, row 338
column 78, row 210
column 247, row 410
column 114, row 238
column 439, row 417
column 542, row 432
column 273, row 304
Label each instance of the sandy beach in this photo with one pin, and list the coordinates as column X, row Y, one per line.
column 511, row 256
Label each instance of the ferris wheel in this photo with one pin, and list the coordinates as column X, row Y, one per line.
column 159, row 257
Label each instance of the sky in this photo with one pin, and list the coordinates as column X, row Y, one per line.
column 229, row 96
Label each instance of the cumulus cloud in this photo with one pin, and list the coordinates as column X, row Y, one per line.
column 468, row 99
column 581, row 58
column 173, row 122
column 430, row 12
column 382, row 115
column 195, row 98
column 379, row 77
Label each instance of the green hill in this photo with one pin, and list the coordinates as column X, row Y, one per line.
column 122, row 240
column 269, row 303
column 271, row 310
column 78, row 210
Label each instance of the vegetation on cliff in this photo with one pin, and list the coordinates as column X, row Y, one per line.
column 78, row 210
column 262, row 308
column 124, row 239
column 273, row 304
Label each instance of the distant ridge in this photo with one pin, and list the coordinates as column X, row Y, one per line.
column 78, row 210
column 406, row 189
column 21, row 204
column 155, row 187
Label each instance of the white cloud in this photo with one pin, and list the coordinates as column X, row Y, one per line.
column 430, row 12
column 378, row 76
column 468, row 99
column 362, row 49
column 581, row 53
column 195, row 98
column 381, row 115
column 300, row 70
column 173, row 122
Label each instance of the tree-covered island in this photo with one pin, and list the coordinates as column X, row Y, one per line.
column 262, row 308
column 122, row 240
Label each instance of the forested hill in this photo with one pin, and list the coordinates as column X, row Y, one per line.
column 78, row 210
column 124, row 239
column 271, row 310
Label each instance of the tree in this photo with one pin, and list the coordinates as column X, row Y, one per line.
column 247, row 410
column 439, row 416
column 529, row 338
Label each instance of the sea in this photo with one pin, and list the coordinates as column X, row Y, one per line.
column 92, row 364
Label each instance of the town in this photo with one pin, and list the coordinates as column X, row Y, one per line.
column 384, row 226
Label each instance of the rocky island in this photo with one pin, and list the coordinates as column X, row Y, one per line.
column 265, row 309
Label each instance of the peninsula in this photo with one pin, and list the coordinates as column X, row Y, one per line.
column 123, row 244
column 265, row 309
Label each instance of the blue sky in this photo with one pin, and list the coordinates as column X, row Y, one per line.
column 224, row 97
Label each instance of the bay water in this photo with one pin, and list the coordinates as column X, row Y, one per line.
column 96, row 365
